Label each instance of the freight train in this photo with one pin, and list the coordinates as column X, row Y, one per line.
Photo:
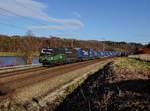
column 51, row 56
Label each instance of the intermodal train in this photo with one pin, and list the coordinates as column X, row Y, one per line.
column 51, row 56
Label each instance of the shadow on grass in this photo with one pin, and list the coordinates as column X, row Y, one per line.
column 138, row 86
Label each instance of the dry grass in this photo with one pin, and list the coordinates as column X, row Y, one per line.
column 145, row 57
column 130, row 69
column 131, row 65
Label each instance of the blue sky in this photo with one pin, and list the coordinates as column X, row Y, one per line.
column 116, row 20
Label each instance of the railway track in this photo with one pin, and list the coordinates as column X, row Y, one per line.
column 14, row 80
column 19, row 72
column 17, row 68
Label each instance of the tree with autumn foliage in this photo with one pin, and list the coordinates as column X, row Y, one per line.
column 30, row 44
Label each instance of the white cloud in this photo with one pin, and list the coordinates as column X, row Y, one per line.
column 34, row 9
column 56, row 27
column 77, row 14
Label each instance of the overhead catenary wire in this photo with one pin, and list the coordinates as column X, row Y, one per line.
column 8, row 23
column 12, row 25
column 13, row 13
column 10, row 12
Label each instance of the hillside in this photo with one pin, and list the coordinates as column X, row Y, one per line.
column 31, row 43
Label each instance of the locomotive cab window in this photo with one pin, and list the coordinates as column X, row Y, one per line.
column 47, row 51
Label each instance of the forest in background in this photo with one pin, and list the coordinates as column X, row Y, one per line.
column 30, row 44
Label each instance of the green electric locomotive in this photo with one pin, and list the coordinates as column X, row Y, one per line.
column 50, row 56
column 53, row 56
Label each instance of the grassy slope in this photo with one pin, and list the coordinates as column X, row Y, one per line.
column 132, row 64
column 145, row 57
column 130, row 68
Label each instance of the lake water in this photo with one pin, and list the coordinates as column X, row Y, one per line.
column 13, row 60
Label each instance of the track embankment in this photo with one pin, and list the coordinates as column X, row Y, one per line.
column 120, row 86
column 35, row 89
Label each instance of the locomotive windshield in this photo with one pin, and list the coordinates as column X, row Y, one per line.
column 47, row 51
